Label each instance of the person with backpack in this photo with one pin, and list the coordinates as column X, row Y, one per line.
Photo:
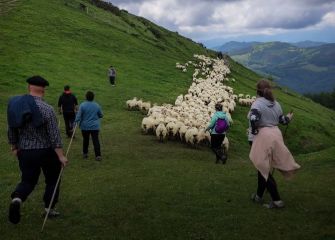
column 112, row 75
column 68, row 105
column 268, row 150
column 36, row 142
column 218, row 126
column 88, row 117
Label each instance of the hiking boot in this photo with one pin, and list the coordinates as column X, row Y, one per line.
column 223, row 158
column 98, row 158
column 256, row 199
column 14, row 211
column 52, row 213
column 275, row 204
column 85, row 156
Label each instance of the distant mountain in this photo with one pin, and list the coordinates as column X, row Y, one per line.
column 309, row 68
column 307, row 44
column 235, row 47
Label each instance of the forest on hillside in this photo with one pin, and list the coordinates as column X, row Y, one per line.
column 326, row 99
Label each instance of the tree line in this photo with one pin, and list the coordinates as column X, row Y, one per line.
column 326, row 99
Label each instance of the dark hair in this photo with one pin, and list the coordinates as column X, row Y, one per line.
column 66, row 88
column 218, row 107
column 89, row 96
column 264, row 89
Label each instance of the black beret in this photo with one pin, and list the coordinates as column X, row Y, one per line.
column 37, row 81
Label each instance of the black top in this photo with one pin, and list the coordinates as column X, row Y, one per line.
column 68, row 102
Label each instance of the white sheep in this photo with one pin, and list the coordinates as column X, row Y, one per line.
column 147, row 124
column 161, row 132
column 191, row 135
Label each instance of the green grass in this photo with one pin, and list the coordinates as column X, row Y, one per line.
column 144, row 189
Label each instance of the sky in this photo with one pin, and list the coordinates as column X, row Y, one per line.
column 214, row 22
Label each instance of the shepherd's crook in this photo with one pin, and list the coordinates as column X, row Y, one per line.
column 59, row 176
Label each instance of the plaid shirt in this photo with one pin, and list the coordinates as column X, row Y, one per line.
column 30, row 137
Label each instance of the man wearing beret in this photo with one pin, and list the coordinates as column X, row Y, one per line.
column 35, row 140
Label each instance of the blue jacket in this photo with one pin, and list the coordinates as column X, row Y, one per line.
column 22, row 109
column 89, row 115
column 212, row 123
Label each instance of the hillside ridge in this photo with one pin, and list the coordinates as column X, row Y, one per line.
column 305, row 67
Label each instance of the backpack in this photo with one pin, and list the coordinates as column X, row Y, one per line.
column 221, row 125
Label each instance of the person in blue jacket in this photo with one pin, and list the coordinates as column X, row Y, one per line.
column 88, row 118
column 218, row 137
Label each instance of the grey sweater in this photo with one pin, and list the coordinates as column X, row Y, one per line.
column 270, row 112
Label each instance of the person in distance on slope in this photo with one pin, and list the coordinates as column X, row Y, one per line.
column 112, row 75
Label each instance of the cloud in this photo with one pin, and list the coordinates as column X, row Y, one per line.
column 201, row 19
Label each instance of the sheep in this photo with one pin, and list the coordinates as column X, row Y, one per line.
column 182, row 131
column 189, row 115
column 170, row 126
column 201, row 137
column 225, row 145
column 191, row 136
column 161, row 132
column 131, row 103
column 145, row 106
column 147, row 124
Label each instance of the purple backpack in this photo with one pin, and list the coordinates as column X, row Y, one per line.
column 221, row 125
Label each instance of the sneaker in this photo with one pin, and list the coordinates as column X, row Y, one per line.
column 85, row 156
column 256, row 199
column 98, row 158
column 52, row 213
column 14, row 211
column 275, row 204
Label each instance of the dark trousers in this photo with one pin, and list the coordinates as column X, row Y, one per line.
column 216, row 145
column 270, row 185
column 31, row 162
column 69, row 122
column 112, row 80
column 95, row 139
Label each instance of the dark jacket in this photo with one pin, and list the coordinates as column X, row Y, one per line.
column 22, row 109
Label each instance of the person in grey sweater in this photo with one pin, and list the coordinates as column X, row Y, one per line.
column 268, row 149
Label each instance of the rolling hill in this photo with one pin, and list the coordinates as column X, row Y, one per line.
column 305, row 67
column 144, row 189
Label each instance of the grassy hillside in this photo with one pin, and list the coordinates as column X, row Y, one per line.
column 144, row 189
column 301, row 69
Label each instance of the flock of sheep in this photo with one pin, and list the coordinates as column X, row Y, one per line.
column 188, row 118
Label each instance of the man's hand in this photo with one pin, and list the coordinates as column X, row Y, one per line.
column 61, row 156
column 14, row 152
column 63, row 160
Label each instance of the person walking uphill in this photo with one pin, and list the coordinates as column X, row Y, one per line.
column 88, row 117
column 68, row 104
column 218, row 126
column 268, row 150
column 35, row 140
column 112, row 75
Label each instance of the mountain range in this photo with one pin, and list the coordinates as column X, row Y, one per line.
column 305, row 67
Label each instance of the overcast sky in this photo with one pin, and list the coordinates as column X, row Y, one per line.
column 214, row 22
